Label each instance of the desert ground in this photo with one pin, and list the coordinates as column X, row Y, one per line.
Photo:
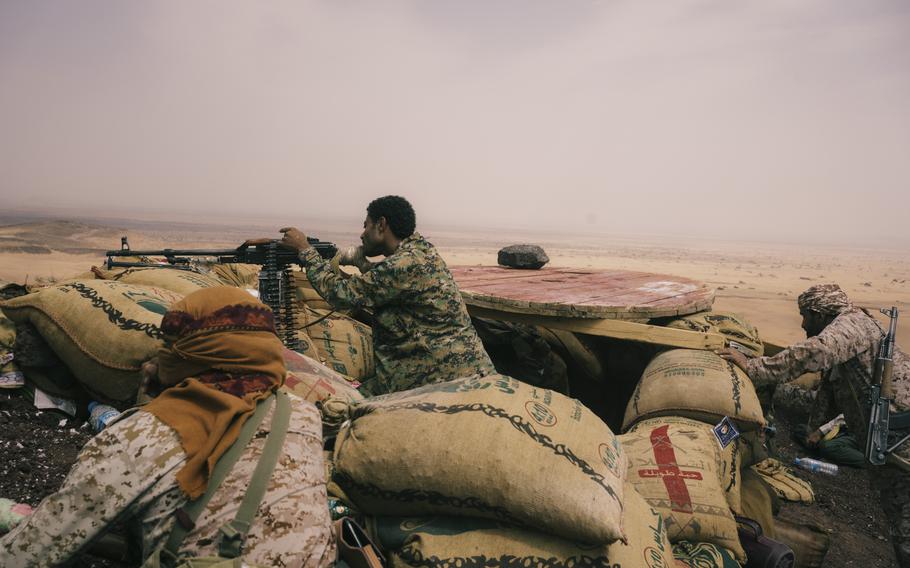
column 760, row 280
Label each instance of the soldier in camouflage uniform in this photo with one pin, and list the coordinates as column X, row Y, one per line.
column 422, row 332
column 129, row 472
column 843, row 342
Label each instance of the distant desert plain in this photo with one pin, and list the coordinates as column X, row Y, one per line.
column 760, row 281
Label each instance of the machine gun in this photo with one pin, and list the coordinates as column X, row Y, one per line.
column 881, row 422
column 275, row 287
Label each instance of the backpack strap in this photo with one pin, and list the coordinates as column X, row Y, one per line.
column 233, row 534
column 188, row 514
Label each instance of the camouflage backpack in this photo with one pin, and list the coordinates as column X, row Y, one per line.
column 232, row 534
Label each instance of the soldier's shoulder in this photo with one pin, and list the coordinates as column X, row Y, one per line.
column 853, row 321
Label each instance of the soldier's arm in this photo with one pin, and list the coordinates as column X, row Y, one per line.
column 380, row 285
column 843, row 339
column 107, row 482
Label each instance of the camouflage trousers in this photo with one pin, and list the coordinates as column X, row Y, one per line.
column 894, row 485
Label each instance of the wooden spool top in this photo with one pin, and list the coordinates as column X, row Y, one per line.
column 582, row 293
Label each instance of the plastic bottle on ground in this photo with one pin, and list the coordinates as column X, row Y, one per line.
column 810, row 464
column 100, row 415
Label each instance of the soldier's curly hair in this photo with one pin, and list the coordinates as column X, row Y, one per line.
column 398, row 214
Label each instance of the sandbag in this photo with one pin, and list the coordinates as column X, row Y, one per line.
column 680, row 469
column 809, row 542
column 10, row 374
column 695, row 384
column 784, row 482
column 702, row 555
column 578, row 351
column 314, row 382
column 734, row 326
column 521, row 352
column 183, row 282
column 102, row 330
column 307, row 296
column 342, row 343
column 487, row 447
column 439, row 542
column 237, row 274
column 41, row 366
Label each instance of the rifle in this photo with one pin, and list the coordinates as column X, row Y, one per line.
column 275, row 287
column 881, row 422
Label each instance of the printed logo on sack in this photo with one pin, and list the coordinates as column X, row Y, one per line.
column 668, row 469
column 653, row 558
column 540, row 413
column 609, row 453
column 150, row 303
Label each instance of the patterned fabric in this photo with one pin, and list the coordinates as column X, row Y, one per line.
column 422, row 333
column 827, row 299
column 228, row 337
column 129, row 471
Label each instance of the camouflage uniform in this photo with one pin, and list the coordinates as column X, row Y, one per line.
column 422, row 332
column 129, row 471
column 846, row 349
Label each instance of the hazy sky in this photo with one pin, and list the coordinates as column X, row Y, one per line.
column 754, row 119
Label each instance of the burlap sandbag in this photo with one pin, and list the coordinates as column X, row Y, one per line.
column 314, row 382
column 239, row 275
column 784, row 482
column 306, row 295
column 450, row 542
column 9, row 370
column 695, row 384
column 734, row 326
column 342, row 343
column 489, row 447
column 183, row 282
column 702, row 555
column 680, row 469
column 41, row 366
column 102, row 330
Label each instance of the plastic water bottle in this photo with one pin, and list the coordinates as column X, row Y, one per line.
column 819, row 466
column 100, row 415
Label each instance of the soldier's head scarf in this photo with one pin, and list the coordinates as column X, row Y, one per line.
column 221, row 347
column 825, row 299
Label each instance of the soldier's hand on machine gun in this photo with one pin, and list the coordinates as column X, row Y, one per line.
column 734, row 356
column 295, row 239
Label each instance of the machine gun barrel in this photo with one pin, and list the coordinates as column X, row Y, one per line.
column 275, row 279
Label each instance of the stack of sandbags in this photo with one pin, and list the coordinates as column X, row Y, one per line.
column 489, row 447
column 698, row 385
column 681, row 470
column 733, row 326
column 102, row 330
column 342, row 343
column 314, row 382
column 184, row 282
column 458, row 541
